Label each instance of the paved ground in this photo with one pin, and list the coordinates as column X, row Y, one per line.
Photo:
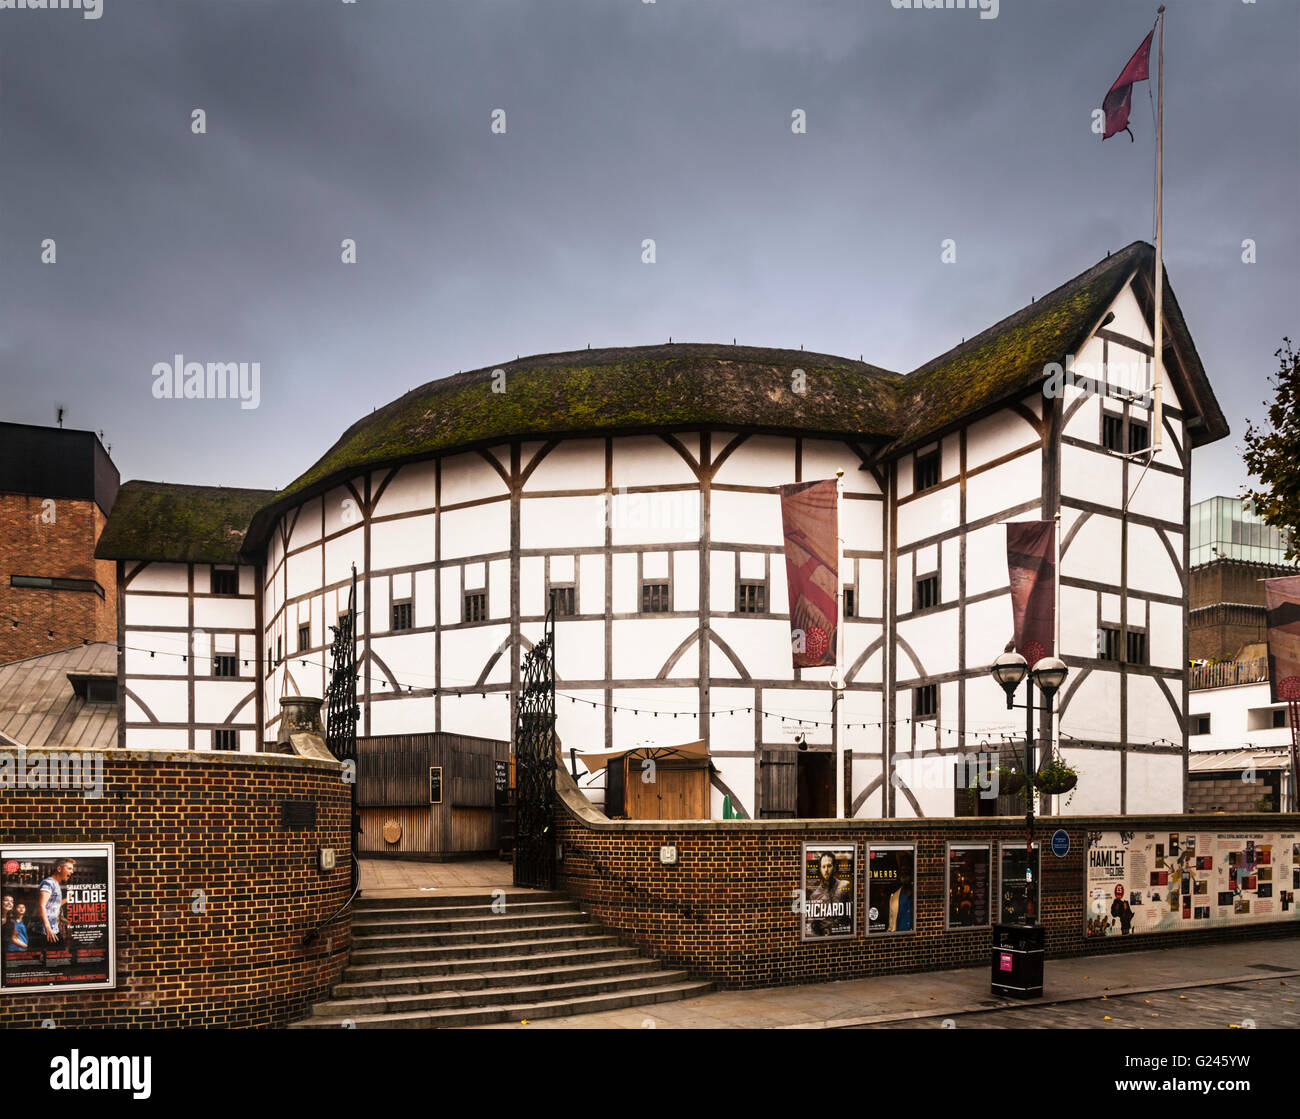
column 1224, row 986
column 402, row 877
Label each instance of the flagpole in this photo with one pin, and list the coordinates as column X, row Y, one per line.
column 837, row 679
column 1157, row 373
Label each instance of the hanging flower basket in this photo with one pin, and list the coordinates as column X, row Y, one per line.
column 1056, row 778
column 1011, row 780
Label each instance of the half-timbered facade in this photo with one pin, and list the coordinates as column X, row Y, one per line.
column 636, row 492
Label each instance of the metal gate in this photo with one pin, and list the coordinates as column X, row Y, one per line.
column 342, row 712
column 535, row 765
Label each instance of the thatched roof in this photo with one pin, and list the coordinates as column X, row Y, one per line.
column 676, row 387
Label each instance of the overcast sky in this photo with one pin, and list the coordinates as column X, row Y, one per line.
column 624, row 120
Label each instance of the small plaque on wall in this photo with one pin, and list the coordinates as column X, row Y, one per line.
column 296, row 814
column 435, row 784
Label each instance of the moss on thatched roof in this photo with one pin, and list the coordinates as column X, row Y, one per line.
column 184, row 524
column 660, row 388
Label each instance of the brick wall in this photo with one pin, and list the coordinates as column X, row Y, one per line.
column 55, row 539
column 725, row 910
column 186, row 822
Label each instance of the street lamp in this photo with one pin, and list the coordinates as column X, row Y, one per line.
column 1049, row 674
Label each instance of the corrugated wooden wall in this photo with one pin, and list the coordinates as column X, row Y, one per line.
column 393, row 784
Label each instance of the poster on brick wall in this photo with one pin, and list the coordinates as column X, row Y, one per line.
column 969, row 872
column 1143, row 882
column 829, row 895
column 58, row 930
column 1019, row 875
column 891, row 889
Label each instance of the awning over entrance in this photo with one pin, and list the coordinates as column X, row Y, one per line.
column 598, row 761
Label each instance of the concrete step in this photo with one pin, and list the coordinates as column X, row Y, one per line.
column 489, row 976
column 372, row 936
column 366, row 902
column 448, row 916
column 668, row 991
column 459, row 938
column 443, row 961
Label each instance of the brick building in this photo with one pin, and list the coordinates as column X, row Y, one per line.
column 57, row 488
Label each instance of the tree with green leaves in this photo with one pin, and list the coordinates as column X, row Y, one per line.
column 1273, row 451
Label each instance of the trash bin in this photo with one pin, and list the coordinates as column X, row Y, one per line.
column 1016, row 963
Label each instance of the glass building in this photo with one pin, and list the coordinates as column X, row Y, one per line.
column 1226, row 528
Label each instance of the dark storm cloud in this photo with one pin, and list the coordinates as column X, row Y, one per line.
column 625, row 121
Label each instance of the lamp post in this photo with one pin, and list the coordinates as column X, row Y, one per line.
column 1049, row 674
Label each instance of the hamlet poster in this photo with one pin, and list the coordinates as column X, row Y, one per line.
column 58, row 930
column 830, row 874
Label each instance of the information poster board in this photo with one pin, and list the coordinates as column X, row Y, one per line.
column 1140, row 882
column 59, row 928
column 435, row 784
column 1018, row 890
column 891, row 888
column 970, row 870
column 830, row 901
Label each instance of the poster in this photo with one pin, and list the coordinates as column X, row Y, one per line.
column 830, row 875
column 1018, row 890
column 1141, row 882
column 58, row 930
column 891, row 889
column 969, row 869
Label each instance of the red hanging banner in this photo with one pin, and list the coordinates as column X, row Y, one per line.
column 1031, row 565
column 810, row 522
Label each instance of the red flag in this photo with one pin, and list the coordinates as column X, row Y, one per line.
column 1282, row 606
column 1118, row 100
column 1031, row 565
column 810, row 521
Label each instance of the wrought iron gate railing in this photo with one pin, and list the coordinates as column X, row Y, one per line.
column 342, row 712
column 535, row 765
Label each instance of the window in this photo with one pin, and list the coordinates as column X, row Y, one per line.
column 751, row 598
column 1112, row 431
column 1200, row 724
column 476, row 606
column 224, row 664
column 342, row 620
column 1139, row 436
column 848, row 603
column 563, row 599
column 927, row 592
column 1108, row 643
column 225, row 580
column 225, row 740
column 402, row 615
column 927, row 471
column 1137, row 647
column 304, row 637
column 1279, row 718
column 925, row 701
column 654, row 598
column 279, row 649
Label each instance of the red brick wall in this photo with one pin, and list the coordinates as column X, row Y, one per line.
column 64, row 547
column 736, row 881
column 186, row 822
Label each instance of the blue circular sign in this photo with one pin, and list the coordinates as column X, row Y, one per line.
column 1060, row 843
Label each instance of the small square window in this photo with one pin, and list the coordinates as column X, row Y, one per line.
column 304, row 637
column 562, row 599
column 751, row 598
column 225, row 580
column 927, row 471
column 476, row 606
column 925, row 701
column 1200, row 724
column 1137, row 647
column 927, row 592
column 1279, row 718
column 1112, row 431
column 654, row 598
column 849, row 603
column 225, row 740
column 402, row 615
column 225, row 665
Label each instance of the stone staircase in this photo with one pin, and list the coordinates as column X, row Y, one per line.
column 448, row 961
